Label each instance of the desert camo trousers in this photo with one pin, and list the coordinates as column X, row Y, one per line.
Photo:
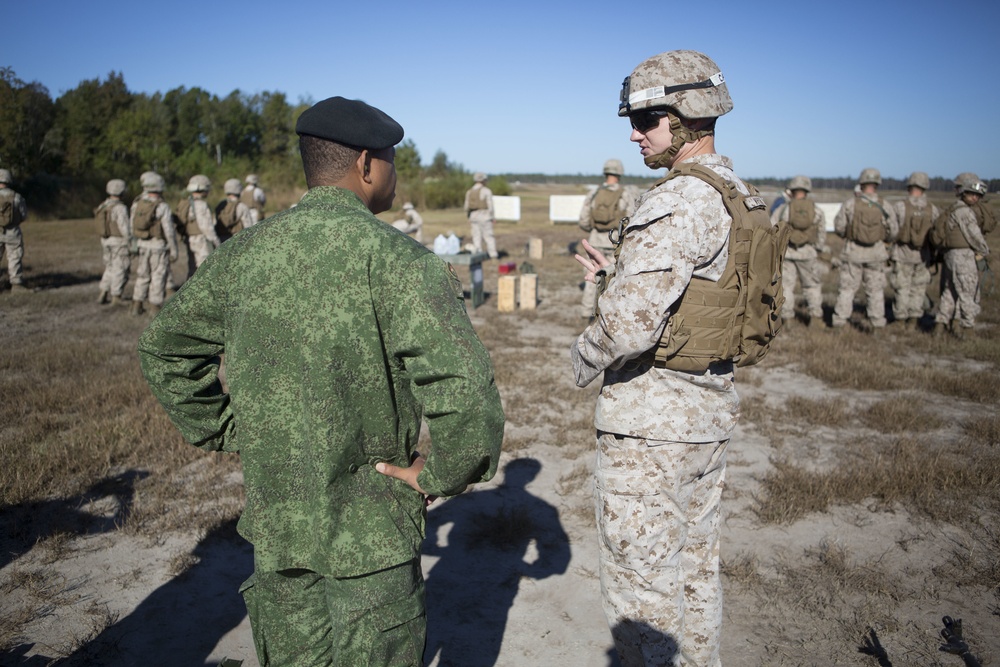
column 12, row 245
column 114, row 253
column 852, row 276
column 658, row 512
column 302, row 619
column 807, row 273
column 959, row 288
column 151, row 270
column 910, row 280
column 199, row 248
column 482, row 232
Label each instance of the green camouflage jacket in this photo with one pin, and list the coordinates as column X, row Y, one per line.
column 339, row 333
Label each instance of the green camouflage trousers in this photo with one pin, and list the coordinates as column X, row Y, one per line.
column 302, row 619
column 658, row 512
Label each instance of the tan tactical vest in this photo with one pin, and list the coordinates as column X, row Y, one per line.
column 246, row 196
column 9, row 215
column 916, row 223
column 186, row 214
column 604, row 210
column 476, row 200
column 227, row 222
column 947, row 235
column 801, row 222
column 145, row 224
column 867, row 225
column 735, row 318
column 104, row 221
column 984, row 216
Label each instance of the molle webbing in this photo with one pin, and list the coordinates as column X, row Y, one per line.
column 605, row 211
column 737, row 317
column 476, row 200
column 915, row 224
column 106, row 226
column 867, row 225
column 802, row 222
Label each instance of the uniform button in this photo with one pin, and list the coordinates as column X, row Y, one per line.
column 353, row 468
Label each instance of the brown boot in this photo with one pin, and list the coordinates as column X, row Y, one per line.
column 135, row 308
column 153, row 309
column 117, row 301
column 958, row 331
column 103, row 298
column 18, row 287
column 939, row 329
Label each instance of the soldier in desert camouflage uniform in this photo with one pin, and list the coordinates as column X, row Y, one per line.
column 153, row 226
column 662, row 433
column 614, row 201
column 231, row 215
column 866, row 221
column 961, row 240
column 339, row 334
column 479, row 209
column 411, row 223
column 253, row 196
column 13, row 212
column 807, row 241
column 115, row 230
column 910, row 255
column 198, row 220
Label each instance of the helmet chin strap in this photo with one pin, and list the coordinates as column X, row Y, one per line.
column 681, row 135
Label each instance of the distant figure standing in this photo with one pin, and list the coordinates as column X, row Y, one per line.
column 253, row 196
column 13, row 211
column 153, row 226
column 806, row 242
column 115, row 230
column 411, row 223
column 866, row 221
column 958, row 235
column 602, row 210
column 911, row 256
column 231, row 215
column 479, row 210
column 198, row 221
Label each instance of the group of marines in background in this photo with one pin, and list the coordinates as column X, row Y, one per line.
column 154, row 234
column 912, row 235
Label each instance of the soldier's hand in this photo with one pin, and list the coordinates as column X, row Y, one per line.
column 408, row 475
column 594, row 262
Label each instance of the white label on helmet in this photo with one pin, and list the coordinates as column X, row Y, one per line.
column 647, row 94
column 717, row 79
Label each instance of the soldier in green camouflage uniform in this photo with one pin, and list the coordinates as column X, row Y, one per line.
column 662, row 434
column 339, row 334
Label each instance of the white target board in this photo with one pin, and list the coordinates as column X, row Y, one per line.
column 507, row 208
column 565, row 208
column 830, row 211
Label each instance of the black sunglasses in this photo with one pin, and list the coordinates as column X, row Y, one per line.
column 644, row 121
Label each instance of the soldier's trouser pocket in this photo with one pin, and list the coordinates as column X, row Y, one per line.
column 299, row 617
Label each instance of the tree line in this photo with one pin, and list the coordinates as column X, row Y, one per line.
column 62, row 151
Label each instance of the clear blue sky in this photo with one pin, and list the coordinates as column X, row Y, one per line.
column 823, row 89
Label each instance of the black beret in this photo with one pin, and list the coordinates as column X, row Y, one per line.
column 350, row 122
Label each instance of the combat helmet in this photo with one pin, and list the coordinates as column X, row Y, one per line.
column 479, row 177
column 614, row 167
column 870, row 175
column 5, row 177
column 679, row 85
column 920, row 180
column 407, row 206
column 252, row 179
column 232, row 186
column 199, row 183
column 969, row 182
column 115, row 187
column 151, row 182
column 686, row 81
column 800, row 183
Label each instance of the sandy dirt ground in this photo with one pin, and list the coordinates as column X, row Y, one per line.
column 511, row 565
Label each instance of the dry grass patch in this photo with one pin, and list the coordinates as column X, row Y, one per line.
column 900, row 414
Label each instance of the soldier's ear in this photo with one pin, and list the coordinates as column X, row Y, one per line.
column 365, row 165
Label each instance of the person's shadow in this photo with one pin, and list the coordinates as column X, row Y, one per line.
column 472, row 587
column 24, row 525
column 182, row 621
